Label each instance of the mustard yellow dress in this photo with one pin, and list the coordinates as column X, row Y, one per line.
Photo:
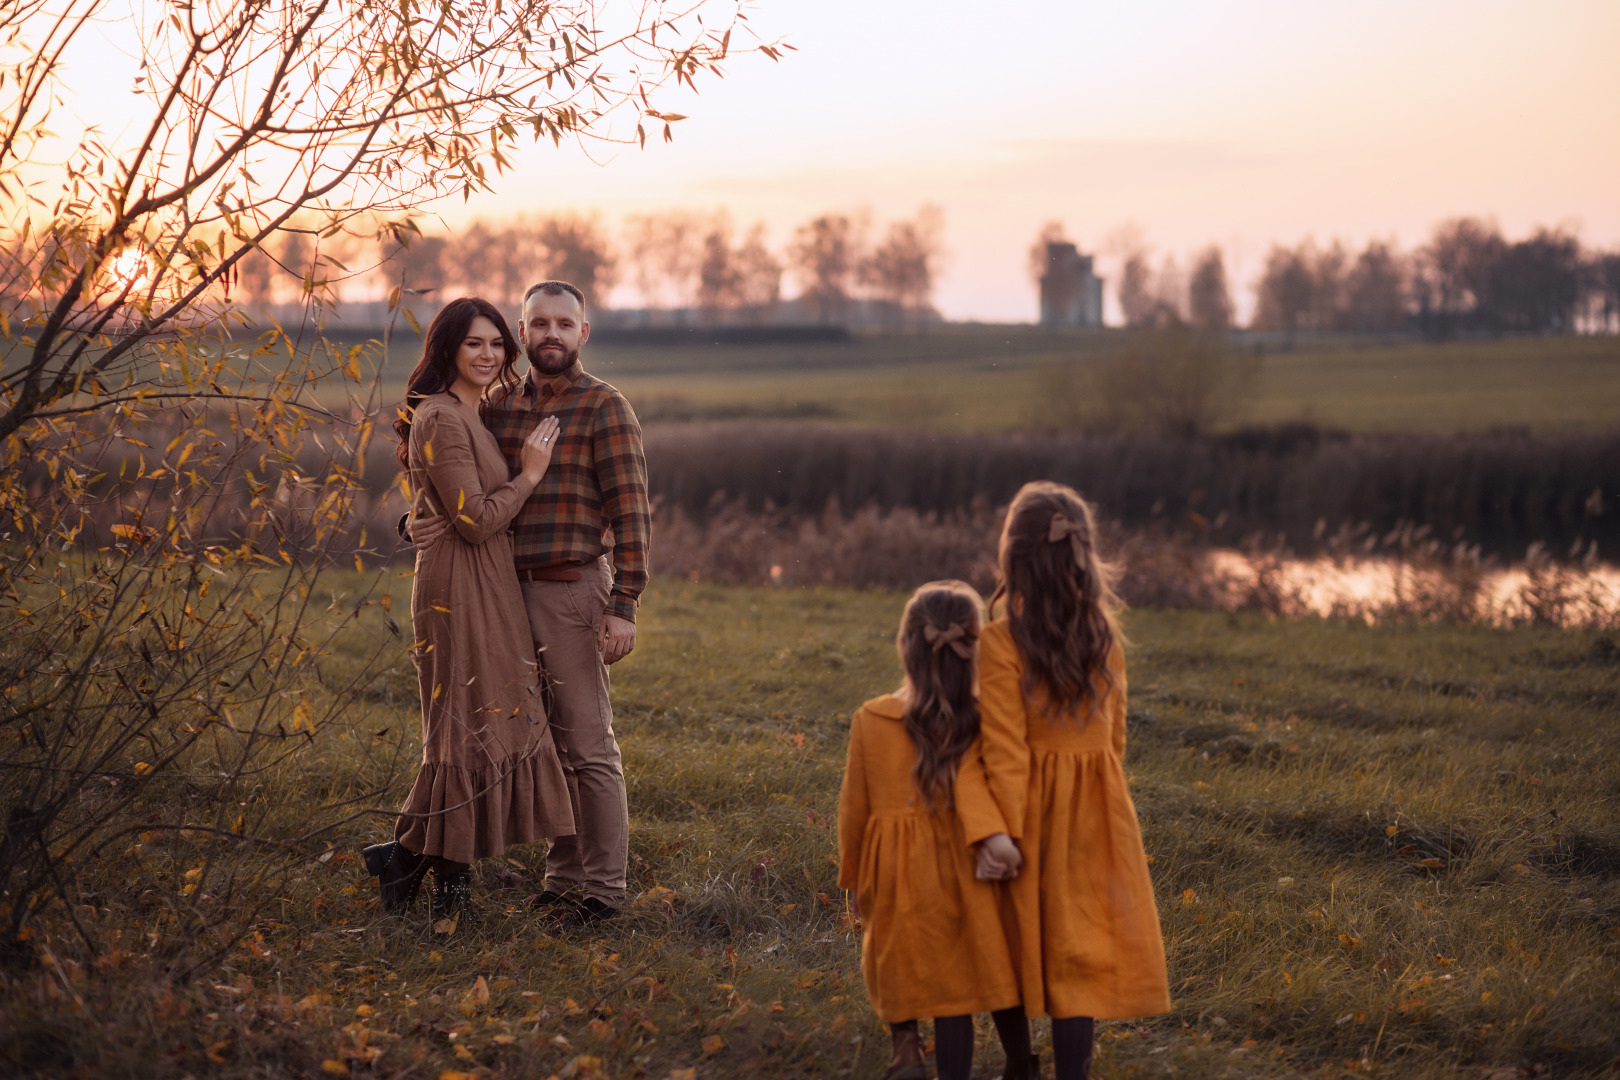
column 934, row 944
column 1085, row 928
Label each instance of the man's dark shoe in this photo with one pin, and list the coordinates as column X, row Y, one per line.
column 591, row 910
column 551, row 902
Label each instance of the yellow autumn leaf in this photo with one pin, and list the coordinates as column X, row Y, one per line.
column 1390, row 830
column 713, row 1045
column 452, row 1074
column 142, row 768
column 480, row 990
column 303, row 718
column 334, row 1067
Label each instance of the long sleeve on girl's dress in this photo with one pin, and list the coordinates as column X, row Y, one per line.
column 441, row 444
column 854, row 806
column 975, row 806
column 1003, row 726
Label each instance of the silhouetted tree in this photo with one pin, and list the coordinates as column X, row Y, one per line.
column 759, row 276
column 1534, row 286
column 1375, row 291
column 1452, row 273
column 900, row 270
column 1604, row 287
column 1285, row 291
column 575, row 249
column 825, row 253
column 1329, row 301
column 665, row 253
column 719, row 276
column 411, row 262
column 1138, row 300
column 1209, row 301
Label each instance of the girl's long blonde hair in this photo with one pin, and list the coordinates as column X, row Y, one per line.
column 1059, row 597
column 939, row 647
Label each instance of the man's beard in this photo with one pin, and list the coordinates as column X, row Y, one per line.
column 550, row 363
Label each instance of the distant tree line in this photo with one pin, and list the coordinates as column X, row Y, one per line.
column 1467, row 279
column 679, row 264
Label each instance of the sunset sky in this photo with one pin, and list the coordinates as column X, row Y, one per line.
column 1238, row 123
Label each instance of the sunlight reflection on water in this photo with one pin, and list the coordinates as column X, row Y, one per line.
column 1375, row 588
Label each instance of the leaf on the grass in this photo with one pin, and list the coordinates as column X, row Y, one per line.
column 602, row 1029
column 334, row 1067
column 446, row 926
column 505, row 1040
column 713, row 1045
column 688, row 1073
column 480, row 991
column 584, row 1067
column 1432, row 864
column 1188, row 898
column 452, row 1074
column 1390, row 830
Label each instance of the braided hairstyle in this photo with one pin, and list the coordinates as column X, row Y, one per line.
column 1059, row 598
column 938, row 644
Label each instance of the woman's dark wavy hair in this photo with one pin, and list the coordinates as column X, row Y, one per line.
column 435, row 373
column 942, row 710
column 1059, row 598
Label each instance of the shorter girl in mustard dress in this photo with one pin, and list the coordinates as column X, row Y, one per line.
column 1052, row 698
column 914, row 800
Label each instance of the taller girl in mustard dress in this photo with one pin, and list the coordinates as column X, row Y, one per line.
column 1052, row 708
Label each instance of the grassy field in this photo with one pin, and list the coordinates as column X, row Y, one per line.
column 998, row 378
column 1385, row 850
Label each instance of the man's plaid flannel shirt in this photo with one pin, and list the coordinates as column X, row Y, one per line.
column 597, row 481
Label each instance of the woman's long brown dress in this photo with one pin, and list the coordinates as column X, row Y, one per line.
column 490, row 777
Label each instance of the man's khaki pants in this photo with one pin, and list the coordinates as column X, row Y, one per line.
column 565, row 617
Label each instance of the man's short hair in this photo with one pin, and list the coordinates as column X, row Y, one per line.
column 556, row 288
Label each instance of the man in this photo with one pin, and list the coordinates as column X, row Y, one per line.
column 581, row 603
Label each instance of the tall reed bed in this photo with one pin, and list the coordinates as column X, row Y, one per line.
column 1500, row 491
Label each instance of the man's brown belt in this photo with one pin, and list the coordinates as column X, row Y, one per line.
column 566, row 572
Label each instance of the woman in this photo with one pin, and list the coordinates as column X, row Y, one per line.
column 490, row 777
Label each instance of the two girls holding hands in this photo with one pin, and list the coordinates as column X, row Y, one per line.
column 1030, row 773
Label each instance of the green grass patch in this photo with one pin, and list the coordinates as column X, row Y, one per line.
column 1378, row 848
column 1002, row 378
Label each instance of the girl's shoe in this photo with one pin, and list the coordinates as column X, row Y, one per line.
column 452, row 895
column 398, row 872
column 907, row 1062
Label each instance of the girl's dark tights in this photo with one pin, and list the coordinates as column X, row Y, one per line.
column 953, row 1043
column 953, row 1046
column 1012, row 1027
column 1071, row 1047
